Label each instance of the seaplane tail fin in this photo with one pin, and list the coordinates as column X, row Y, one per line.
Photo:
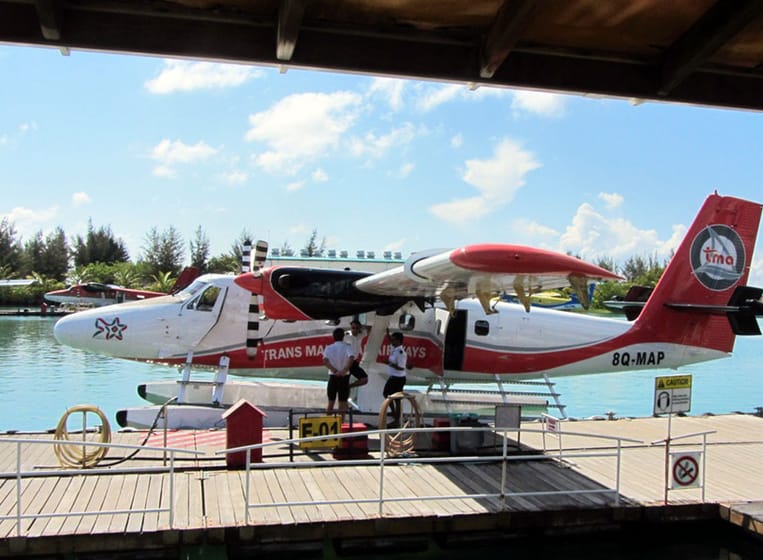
column 693, row 304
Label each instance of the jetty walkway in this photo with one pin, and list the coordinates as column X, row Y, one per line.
column 565, row 482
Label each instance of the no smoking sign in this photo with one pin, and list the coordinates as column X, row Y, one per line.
column 685, row 470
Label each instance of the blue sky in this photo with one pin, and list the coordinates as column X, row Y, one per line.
column 372, row 163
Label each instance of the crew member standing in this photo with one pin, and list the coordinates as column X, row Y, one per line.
column 354, row 337
column 396, row 372
column 338, row 358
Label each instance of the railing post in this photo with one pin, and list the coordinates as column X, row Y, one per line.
column 382, row 453
column 617, row 474
column 504, row 468
column 172, row 490
column 246, row 488
column 18, row 489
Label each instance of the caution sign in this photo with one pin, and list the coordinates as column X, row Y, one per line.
column 319, row 426
column 672, row 394
column 685, row 470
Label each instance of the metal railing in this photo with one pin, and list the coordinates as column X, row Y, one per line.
column 383, row 461
column 21, row 475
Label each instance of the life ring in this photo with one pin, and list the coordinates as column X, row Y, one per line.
column 79, row 455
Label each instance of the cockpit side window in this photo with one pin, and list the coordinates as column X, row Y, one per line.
column 206, row 300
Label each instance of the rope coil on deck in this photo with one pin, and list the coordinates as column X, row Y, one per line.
column 78, row 455
column 396, row 444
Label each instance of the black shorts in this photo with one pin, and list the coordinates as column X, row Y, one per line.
column 357, row 371
column 338, row 387
column 393, row 385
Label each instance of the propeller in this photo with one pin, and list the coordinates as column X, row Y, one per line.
column 253, row 338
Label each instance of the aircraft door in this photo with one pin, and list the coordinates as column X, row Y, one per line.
column 199, row 315
column 455, row 338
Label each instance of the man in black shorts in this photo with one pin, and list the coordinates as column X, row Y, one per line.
column 338, row 358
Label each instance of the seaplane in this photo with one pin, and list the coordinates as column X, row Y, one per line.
column 97, row 294
column 274, row 322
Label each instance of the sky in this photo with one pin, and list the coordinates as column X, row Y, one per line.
column 370, row 163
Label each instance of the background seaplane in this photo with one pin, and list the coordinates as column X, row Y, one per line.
column 275, row 321
column 97, row 294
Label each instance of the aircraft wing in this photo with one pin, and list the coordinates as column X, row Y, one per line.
column 15, row 283
column 485, row 271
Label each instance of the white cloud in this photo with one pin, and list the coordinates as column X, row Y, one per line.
column 376, row 146
column 180, row 75
column 497, row 179
column 319, row 176
column 457, row 141
column 27, row 127
column 433, row 96
column 538, row 102
column 436, row 96
column 611, row 200
column 593, row 235
column 171, row 153
column 405, row 170
column 28, row 221
column 236, row 177
column 394, row 245
column 390, row 90
column 534, row 230
column 295, row 186
column 301, row 128
column 80, row 198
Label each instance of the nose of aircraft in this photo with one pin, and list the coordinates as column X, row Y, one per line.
column 74, row 330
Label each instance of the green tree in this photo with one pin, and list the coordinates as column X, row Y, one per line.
column 56, row 255
column 10, row 248
column 99, row 245
column 199, row 247
column 163, row 282
column 163, row 252
column 313, row 248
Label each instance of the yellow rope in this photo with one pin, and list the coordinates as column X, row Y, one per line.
column 78, row 455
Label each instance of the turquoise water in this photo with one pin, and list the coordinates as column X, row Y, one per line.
column 41, row 379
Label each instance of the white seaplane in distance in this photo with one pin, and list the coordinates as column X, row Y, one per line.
column 275, row 321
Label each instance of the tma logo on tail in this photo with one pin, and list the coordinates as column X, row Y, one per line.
column 717, row 257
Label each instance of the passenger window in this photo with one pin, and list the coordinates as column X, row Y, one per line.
column 481, row 328
column 407, row 322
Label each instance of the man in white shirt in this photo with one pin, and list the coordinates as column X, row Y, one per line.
column 396, row 372
column 338, row 358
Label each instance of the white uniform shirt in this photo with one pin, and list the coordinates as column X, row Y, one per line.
column 397, row 356
column 337, row 354
column 355, row 343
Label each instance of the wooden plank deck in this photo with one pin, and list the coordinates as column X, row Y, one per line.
column 207, row 496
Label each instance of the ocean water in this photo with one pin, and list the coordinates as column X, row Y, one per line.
column 40, row 379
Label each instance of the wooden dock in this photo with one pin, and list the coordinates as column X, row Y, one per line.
column 445, row 500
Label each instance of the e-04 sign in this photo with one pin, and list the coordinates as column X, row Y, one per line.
column 319, row 426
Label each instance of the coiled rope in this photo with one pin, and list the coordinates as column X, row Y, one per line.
column 88, row 454
column 397, row 443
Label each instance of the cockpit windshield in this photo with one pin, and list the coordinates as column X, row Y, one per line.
column 190, row 291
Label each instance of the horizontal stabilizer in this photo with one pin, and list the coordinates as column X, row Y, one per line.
column 742, row 309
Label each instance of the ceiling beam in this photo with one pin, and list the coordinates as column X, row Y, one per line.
column 289, row 21
column 504, row 34
column 715, row 28
column 49, row 14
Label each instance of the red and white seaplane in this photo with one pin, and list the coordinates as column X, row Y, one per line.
column 275, row 321
column 97, row 294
